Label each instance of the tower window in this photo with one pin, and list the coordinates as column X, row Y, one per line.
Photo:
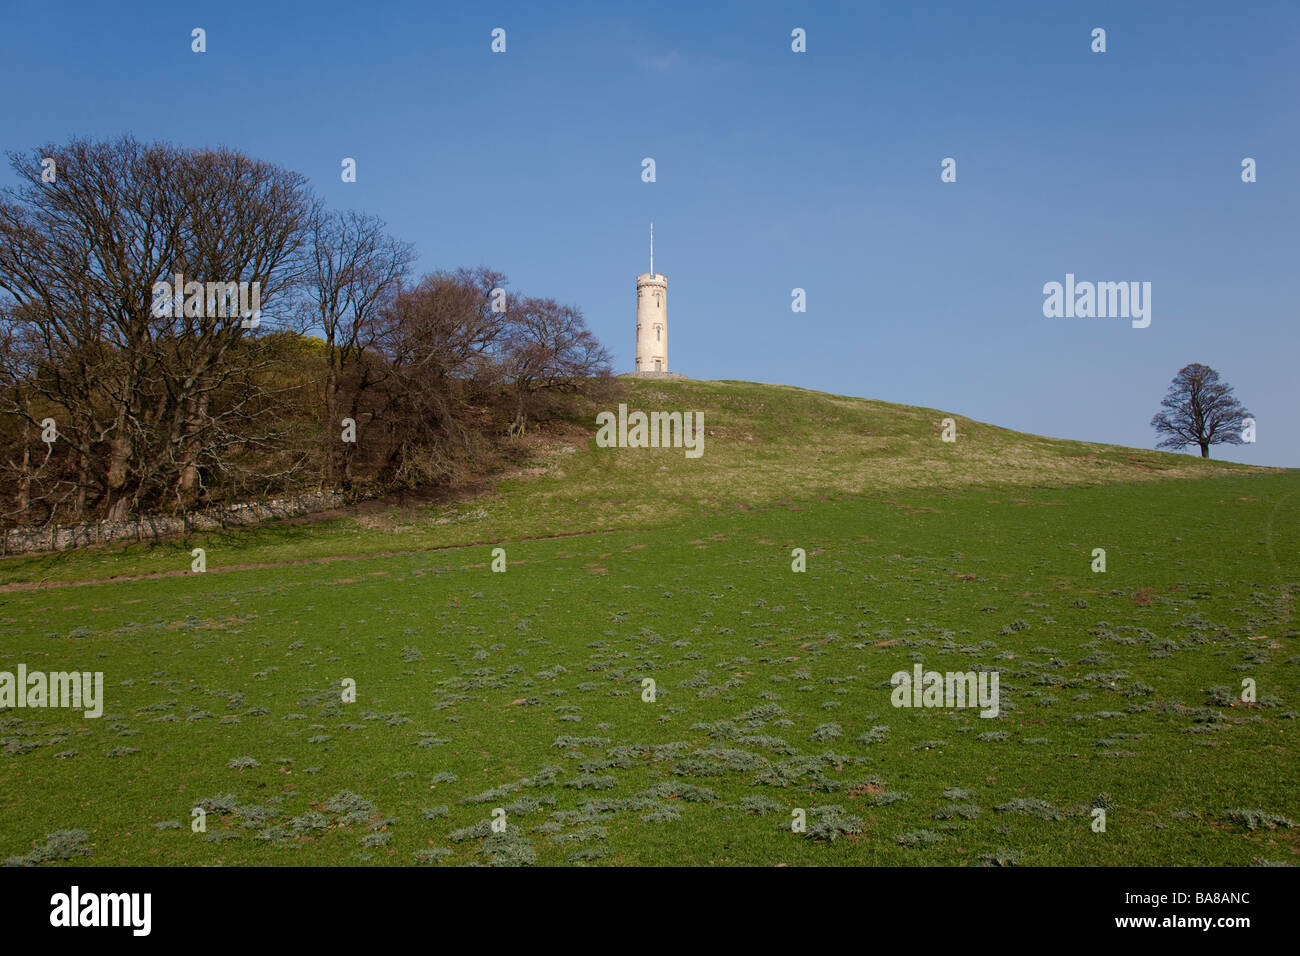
column 657, row 330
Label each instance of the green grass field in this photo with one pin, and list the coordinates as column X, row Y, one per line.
column 523, row 691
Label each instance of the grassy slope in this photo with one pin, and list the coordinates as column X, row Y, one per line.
column 1119, row 690
column 764, row 444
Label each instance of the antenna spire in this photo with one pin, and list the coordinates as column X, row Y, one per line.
column 652, row 248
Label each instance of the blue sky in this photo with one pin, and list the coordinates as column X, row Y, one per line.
column 776, row 170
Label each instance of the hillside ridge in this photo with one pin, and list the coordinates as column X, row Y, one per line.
column 764, row 446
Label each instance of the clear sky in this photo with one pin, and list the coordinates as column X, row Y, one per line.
column 776, row 170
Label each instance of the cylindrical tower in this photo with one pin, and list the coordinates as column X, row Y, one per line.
column 651, row 322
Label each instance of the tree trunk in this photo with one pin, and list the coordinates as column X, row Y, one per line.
column 520, row 423
column 350, row 451
column 196, row 411
column 332, row 426
column 83, row 477
column 119, row 454
column 1205, row 449
column 25, row 486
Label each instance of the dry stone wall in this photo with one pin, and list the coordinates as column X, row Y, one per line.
column 153, row 527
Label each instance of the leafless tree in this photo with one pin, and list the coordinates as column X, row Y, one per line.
column 548, row 347
column 79, row 257
column 355, row 271
column 167, row 397
column 440, row 337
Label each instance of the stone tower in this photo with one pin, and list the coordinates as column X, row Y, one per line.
column 651, row 317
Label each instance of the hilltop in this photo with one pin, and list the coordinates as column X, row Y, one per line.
column 767, row 443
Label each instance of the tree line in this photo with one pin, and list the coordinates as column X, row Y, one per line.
column 122, row 393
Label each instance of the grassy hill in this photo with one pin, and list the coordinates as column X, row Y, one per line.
column 524, row 696
column 764, row 444
column 767, row 443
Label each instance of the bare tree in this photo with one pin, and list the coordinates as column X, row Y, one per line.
column 1199, row 410
column 80, row 256
column 72, row 255
column 121, row 321
column 355, row 272
column 244, row 221
column 548, row 347
column 21, row 464
column 440, row 339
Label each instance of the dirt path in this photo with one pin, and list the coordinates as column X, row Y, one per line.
column 327, row 559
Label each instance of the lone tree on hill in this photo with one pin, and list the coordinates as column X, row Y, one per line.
column 1199, row 410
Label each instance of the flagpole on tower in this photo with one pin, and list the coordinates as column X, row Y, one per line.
column 652, row 247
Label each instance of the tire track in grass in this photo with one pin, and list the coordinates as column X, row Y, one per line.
column 327, row 559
